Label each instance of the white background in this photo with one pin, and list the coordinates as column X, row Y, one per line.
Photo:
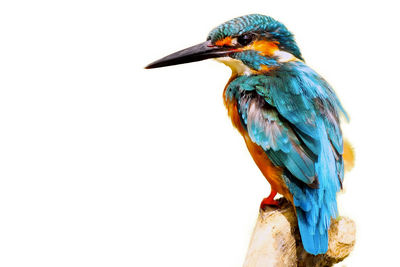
column 103, row 163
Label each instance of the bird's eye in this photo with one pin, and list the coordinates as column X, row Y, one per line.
column 245, row 39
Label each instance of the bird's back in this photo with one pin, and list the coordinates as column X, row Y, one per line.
column 292, row 114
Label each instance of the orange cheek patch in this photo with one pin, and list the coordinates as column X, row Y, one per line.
column 266, row 48
column 225, row 41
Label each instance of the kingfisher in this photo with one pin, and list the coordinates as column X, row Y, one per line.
column 288, row 115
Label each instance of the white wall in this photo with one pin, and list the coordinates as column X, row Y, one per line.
column 103, row 163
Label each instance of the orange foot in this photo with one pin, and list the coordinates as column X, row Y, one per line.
column 269, row 201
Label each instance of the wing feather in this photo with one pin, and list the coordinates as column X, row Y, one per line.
column 292, row 105
column 293, row 114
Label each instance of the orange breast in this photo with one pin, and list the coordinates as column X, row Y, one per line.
column 272, row 173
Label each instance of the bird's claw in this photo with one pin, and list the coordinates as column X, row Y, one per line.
column 269, row 202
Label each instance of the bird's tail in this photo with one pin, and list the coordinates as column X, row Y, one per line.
column 315, row 241
column 314, row 209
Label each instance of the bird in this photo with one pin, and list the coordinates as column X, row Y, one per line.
column 288, row 115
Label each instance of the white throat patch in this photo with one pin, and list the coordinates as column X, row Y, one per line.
column 236, row 66
column 239, row 68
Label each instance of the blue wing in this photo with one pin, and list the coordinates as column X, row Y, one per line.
column 293, row 114
column 275, row 135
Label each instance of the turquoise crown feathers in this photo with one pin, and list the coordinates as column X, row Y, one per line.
column 260, row 24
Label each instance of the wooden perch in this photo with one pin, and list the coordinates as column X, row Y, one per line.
column 276, row 240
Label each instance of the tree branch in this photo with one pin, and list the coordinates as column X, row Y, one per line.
column 276, row 240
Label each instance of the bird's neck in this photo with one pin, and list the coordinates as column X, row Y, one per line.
column 239, row 68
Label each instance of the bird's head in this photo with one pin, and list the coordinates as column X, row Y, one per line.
column 248, row 44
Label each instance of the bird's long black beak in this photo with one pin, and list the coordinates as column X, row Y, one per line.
column 195, row 53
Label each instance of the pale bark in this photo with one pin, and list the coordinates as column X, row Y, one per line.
column 276, row 240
